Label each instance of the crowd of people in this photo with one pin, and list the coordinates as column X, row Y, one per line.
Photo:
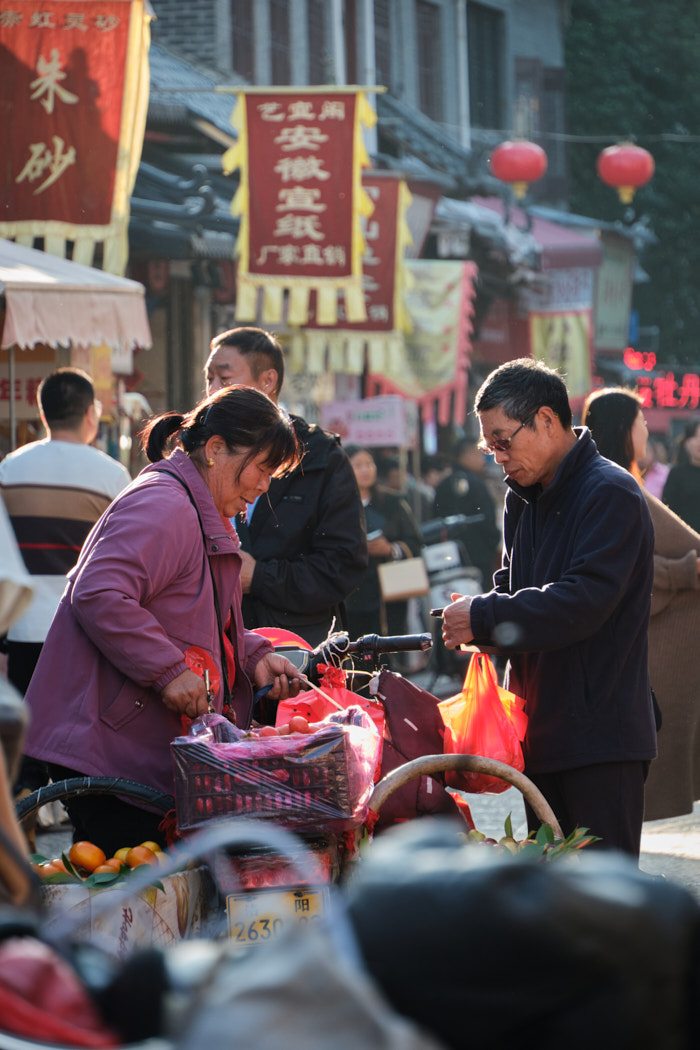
column 248, row 517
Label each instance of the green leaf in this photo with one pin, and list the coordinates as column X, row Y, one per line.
column 70, row 868
column 508, row 826
column 38, row 858
column 530, row 848
column 544, row 834
column 102, row 878
column 61, row 878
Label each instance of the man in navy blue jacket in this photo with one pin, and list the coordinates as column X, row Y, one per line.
column 570, row 605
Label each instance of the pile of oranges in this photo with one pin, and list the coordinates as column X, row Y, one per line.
column 85, row 858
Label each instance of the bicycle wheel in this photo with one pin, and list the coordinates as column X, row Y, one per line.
column 62, row 790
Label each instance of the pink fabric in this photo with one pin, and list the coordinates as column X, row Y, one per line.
column 655, row 479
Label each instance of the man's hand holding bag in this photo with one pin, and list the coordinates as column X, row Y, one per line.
column 484, row 719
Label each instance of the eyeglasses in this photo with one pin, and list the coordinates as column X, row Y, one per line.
column 503, row 444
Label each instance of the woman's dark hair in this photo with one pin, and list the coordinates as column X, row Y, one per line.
column 352, row 450
column 609, row 414
column 689, row 429
column 246, row 419
column 521, row 387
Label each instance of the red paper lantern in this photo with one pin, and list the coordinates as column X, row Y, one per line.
column 626, row 167
column 518, row 163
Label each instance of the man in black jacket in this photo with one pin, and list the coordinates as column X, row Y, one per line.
column 570, row 604
column 304, row 547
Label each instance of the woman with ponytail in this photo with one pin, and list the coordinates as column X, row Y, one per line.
column 154, row 600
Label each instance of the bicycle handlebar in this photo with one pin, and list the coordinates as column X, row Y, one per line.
column 366, row 649
column 398, row 643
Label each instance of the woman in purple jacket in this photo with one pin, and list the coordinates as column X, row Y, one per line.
column 154, row 598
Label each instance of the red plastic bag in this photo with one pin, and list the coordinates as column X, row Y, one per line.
column 42, row 998
column 313, row 706
column 484, row 720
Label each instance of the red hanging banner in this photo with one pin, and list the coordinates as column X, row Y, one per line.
column 300, row 198
column 383, row 273
column 72, row 111
column 385, row 281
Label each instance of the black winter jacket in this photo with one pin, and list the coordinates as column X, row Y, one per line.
column 308, row 538
column 573, row 597
column 390, row 512
column 682, row 493
column 464, row 492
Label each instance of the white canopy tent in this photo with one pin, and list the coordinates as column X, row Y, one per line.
column 56, row 302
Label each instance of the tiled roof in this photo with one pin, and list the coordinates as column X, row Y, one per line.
column 414, row 133
column 179, row 89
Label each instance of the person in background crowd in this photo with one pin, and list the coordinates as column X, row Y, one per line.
column 155, row 600
column 570, row 606
column 616, row 421
column 390, row 475
column 682, row 489
column 433, row 470
column 54, row 491
column 464, row 491
column 392, row 534
column 303, row 544
column 654, row 467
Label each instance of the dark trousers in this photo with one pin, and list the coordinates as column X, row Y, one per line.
column 607, row 798
column 107, row 821
column 22, row 658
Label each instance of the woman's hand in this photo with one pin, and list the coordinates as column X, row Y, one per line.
column 285, row 678
column 186, row 695
column 380, row 547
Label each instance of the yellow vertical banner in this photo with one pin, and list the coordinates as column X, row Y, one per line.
column 563, row 341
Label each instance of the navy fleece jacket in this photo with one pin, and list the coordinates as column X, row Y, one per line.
column 571, row 603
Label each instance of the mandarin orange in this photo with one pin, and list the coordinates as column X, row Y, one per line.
column 86, row 855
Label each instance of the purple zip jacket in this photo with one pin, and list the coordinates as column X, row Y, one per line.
column 139, row 596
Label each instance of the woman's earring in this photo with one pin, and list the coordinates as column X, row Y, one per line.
column 210, row 462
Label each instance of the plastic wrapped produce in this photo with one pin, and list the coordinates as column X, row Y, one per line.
column 314, row 782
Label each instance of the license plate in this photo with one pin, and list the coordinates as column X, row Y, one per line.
column 255, row 918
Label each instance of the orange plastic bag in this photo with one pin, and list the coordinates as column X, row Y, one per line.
column 484, row 720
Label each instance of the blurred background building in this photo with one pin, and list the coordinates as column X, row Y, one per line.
column 543, row 274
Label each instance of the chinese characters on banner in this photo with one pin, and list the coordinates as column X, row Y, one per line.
column 384, row 283
column 73, row 100
column 300, row 198
column 563, row 341
column 432, row 370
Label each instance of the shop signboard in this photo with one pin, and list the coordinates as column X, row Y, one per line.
column 375, row 422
